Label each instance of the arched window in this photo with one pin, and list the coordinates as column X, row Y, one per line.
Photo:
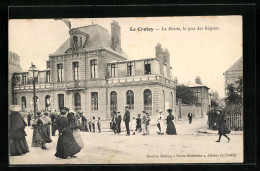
column 77, row 101
column 130, row 99
column 147, row 100
column 113, row 101
column 47, row 102
column 23, row 103
column 37, row 100
column 163, row 100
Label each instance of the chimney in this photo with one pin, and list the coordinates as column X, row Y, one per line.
column 198, row 80
column 176, row 80
column 166, row 57
column 116, row 36
column 159, row 55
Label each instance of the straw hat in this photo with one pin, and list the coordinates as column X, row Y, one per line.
column 15, row 108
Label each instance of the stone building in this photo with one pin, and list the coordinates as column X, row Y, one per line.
column 234, row 73
column 13, row 66
column 90, row 72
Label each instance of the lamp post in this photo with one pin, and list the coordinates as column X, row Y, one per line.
column 33, row 72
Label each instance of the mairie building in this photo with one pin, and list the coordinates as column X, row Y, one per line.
column 91, row 73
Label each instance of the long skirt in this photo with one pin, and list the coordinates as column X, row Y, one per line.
column 77, row 136
column 67, row 145
column 18, row 146
column 41, row 135
column 223, row 129
column 171, row 130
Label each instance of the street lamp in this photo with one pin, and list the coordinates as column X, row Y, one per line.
column 33, row 72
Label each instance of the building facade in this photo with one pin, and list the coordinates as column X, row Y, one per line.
column 201, row 91
column 13, row 67
column 91, row 73
column 234, row 73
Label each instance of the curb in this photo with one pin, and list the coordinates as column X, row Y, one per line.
column 207, row 131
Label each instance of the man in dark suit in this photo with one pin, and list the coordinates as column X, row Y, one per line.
column 127, row 120
column 119, row 119
column 190, row 117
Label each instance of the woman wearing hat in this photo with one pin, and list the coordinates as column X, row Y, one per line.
column 18, row 143
column 170, row 130
column 67, row 145
column 41, row 131
column 222, row 127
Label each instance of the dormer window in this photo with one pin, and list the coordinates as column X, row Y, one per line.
column 75, row 42
column 147, row 67
column 113, row 70
column 130, row 68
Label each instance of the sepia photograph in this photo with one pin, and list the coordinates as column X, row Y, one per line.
column 133, row 90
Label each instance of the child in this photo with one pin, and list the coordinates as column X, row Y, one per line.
column 93, row 123
column 90, row 124
column 99, row 125
column 138, row 123
column 133, row 125
column 147, row 124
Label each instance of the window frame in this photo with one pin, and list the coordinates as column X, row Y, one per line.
column 147, row 62
column 113, row 70
column 93, row 69
column 130, row 67
column 60, row 74
column 75, row 66
column 130, row 98
column 94, row 101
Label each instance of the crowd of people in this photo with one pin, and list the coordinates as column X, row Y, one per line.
column 142, row 123
column 46, row 123
column 70, row 123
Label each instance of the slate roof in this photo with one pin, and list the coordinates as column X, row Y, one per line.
column 99, row 37
column 237, row 66
column 197, row 85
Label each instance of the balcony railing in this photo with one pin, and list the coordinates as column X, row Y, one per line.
column 30, row 86
column 146, row 78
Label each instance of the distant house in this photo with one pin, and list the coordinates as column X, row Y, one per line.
column 233, row 73
column 201, row 91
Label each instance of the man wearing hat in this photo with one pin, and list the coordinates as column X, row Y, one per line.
column 114, row 122
column 127, row 120
column 190, row 117
column 144, row 118
column 119, row 119
column 160, row 123
column 67, row 146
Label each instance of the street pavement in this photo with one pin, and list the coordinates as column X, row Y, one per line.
column 188, row 146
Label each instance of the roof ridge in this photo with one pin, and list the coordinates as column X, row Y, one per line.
column 90, row 26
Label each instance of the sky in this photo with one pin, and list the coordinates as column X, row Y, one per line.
column 193, row 52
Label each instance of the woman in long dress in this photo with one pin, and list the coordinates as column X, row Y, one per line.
column 222, row 127
column 171, row 130
column 67, row 145
column 18, row 143
column 84, row 124
column 41, row 131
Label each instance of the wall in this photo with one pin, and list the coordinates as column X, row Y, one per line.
column 195, row 110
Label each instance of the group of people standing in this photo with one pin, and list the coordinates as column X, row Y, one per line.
column 142, row 123
column 67, row 123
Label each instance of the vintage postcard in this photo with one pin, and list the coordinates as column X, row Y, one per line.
column 126, row 90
